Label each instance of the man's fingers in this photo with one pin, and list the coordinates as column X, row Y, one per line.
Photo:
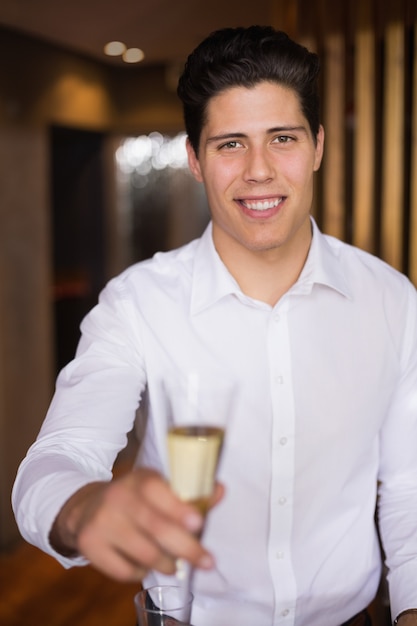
column 217, row 495
column 159, row 495
column 171, row 538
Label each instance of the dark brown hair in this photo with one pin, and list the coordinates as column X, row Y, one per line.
column 233, row 57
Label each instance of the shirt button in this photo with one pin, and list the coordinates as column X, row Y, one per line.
column 279, row 380
column 277, row 317
column 285, row 612
column 279, row 555
column 283, row 441
column 282, row 500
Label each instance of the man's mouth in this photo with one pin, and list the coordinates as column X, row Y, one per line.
column 262, row 205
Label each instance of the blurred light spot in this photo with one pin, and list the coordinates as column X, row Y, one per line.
column 152, row 152
column 133, row 55
column 114, row 48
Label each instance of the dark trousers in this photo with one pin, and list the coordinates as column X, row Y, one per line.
column 361, row 619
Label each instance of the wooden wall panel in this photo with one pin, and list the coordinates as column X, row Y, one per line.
column 413, row 169
column 334, row 75
column 364, row 149
column 393, row 146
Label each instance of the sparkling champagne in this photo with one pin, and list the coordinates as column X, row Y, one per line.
column 194, row 453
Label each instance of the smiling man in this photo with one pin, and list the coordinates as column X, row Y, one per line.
column 318, row 338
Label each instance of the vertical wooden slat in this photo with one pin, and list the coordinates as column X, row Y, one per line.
column 334, row 118
column 307, row 30
column 284, row 15
column 413, row 170
column 393, row 144
column 307, row 35
column 364, row 131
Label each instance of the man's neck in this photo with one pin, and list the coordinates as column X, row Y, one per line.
column 265, row 275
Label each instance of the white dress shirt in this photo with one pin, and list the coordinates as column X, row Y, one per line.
column 326, row 415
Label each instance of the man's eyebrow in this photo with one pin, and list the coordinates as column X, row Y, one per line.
column 226, row 136
column 280, row 129
column 269, row 131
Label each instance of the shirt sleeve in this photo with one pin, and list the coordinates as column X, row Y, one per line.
column 398, row 472
column 93, row 409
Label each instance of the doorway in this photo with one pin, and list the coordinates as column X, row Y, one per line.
column 78, row 232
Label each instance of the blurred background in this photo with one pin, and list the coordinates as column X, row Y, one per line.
column 93, row 174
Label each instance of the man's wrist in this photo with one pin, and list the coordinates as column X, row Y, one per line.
column 64, row 531
column 409, row 616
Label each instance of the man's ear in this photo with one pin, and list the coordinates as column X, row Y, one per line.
column 193, row 162
column 319, row 148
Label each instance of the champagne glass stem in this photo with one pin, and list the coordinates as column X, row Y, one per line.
column 184, row 575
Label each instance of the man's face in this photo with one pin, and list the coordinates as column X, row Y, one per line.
column 256, row 159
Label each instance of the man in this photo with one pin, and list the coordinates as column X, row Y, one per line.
column 321, row 339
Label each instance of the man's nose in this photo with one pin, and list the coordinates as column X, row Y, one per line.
column 259, row 166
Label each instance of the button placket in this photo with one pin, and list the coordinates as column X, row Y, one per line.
column 282, row 464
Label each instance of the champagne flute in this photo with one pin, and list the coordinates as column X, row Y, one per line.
column 197, row 420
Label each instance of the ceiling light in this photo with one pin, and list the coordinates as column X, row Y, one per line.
column 133, row 55
column 114, row 48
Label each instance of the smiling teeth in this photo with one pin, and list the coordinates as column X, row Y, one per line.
column 262, row 205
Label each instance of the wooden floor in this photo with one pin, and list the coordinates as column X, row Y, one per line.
column 36, row 591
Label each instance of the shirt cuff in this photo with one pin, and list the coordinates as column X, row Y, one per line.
column 402, row 587
column 39, row 507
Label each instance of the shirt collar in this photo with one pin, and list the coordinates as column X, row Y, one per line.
column 323, row 265
column 212, row 281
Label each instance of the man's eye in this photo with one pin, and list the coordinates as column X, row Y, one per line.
column 283, row 139
column 229, row 145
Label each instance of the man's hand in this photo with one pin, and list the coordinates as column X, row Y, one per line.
column 131, row 525
column 409, row 619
